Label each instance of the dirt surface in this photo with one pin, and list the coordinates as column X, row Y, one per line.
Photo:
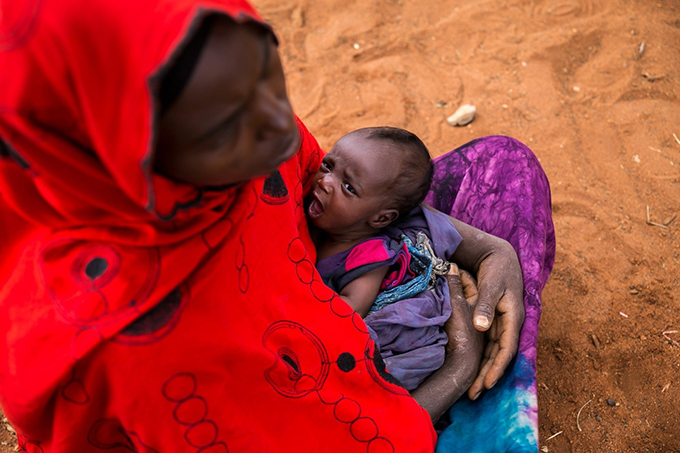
column 592, row 86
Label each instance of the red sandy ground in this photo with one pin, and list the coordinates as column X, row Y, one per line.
column 568, row 78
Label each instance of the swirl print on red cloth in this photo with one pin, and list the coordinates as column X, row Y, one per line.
column 301, row 367
column 191, row 413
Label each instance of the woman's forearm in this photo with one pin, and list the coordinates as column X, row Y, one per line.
column 476, row 246
column 443, row 388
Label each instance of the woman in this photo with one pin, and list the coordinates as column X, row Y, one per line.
column 159, row 290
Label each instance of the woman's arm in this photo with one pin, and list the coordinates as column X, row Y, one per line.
column 463, row 352
column 500, row 308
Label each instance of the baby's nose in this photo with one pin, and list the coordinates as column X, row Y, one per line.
column 326, row 183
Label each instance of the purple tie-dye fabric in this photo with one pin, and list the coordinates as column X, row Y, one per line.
column 497, row 185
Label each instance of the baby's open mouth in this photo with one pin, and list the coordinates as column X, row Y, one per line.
column 315, row 207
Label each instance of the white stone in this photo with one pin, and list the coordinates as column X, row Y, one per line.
column 463, row 116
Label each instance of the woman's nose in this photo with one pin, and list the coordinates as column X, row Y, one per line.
column 275, row 114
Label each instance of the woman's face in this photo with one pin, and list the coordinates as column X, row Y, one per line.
column 233, row 120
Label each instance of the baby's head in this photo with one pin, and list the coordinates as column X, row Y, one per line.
column 370, row 178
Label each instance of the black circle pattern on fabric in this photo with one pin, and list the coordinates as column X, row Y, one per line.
column 302, row 371
column 96, row 267
column 86, row 299
column 157, row 322
column 191, row 412
column 91, row 298
column 295, row 373
column 346, row 362
column 274, row 191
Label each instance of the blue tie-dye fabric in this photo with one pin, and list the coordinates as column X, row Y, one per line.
column 497, row 185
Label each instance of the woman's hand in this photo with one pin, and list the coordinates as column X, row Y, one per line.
column 463, row 352
column 500, row 307
column 500, row 294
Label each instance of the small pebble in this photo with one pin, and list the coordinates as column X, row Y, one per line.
column 577, row 89
column 611, row 402
column 463, row 116
column 356, row 46
column 634, row 291
column 544, row 449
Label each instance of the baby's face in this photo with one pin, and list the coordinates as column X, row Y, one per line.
column 350, row 190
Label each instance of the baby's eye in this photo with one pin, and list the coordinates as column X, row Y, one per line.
column 349, row 188
column 325, row 166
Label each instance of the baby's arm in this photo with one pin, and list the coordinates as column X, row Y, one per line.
column 361, row 292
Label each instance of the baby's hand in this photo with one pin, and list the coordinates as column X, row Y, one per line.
column 466, row 343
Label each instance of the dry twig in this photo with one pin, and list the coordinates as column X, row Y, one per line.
column 554, row 435
column 667, row 337
column 578, row 425
column 649, row 221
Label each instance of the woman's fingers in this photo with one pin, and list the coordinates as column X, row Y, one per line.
column 498, row 366
column 469, row 284
column 484, row 313
column 487, row 361
column 503, row 340
column 506, row 333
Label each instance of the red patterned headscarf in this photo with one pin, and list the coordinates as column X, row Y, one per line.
column 141, row 314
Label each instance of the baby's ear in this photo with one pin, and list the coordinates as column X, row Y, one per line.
column 383, row 218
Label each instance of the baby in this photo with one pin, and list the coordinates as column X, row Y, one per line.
column 379, row 250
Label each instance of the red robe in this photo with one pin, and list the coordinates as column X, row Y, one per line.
column 140, row 314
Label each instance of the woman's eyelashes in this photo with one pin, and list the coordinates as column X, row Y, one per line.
column 222, row 132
